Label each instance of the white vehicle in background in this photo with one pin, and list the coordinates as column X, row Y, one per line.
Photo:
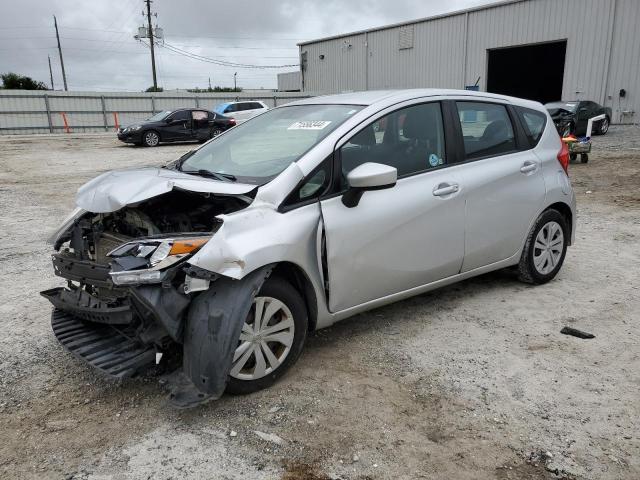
column 241, row 111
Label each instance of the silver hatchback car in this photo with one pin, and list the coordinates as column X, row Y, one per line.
column 217, row 265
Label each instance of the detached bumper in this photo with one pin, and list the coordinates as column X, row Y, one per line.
column 113, row 351
column 86, row 307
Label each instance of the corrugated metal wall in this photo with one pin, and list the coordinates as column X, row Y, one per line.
column 624, row 64
column 42, row 112
column 289, row 82
column 603, row 51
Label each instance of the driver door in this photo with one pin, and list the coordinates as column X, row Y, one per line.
column 178, row 126
column 401, row 237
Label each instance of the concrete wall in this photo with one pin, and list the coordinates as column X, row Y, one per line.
column 603, row 50
column 23, row 111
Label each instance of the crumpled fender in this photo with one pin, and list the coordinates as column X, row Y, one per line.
column 259, row 234
column 214, row 323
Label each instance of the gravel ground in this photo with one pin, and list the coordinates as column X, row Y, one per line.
column 470, row 381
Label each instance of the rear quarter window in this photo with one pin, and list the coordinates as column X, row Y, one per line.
column 533, row 123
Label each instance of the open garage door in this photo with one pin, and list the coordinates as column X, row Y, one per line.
column 535, row 71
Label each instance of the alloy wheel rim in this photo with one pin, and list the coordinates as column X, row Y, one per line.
column 605, row 126
column 548, row 248
column 152, row 138
column 265, row 340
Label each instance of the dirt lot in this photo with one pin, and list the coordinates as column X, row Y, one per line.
column 471, row 381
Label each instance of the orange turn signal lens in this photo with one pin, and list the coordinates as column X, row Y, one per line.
column 187, row 245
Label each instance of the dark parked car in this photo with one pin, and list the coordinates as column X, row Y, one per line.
column 572, row 117
column 176, row 126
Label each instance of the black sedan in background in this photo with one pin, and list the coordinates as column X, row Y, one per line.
column 572, row 117
column 176, row 126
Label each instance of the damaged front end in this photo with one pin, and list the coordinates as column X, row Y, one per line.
column 129, row 286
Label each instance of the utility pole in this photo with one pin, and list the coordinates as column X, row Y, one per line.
column 235, row 86
column 151, row 42
column 209, row 83
column 64, row 75
column 51, row 72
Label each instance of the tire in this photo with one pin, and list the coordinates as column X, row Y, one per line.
column 584, row 157
column 573, row 157
column 603, row 128
column 247, row 381
column 150, row 138
column 541, row 268
column 568, row 130
column 215, row 132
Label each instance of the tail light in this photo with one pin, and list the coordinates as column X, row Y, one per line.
column 563, row 157
column 232, row 121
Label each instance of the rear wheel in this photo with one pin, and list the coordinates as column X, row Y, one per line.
column 150, row 138
column 567, row 130
column 272, row 338
column 545, row 248
column 604, row 126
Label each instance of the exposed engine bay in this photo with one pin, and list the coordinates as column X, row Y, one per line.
column 179, row 212
column 129, row 281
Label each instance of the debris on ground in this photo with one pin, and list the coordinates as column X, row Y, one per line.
column 574, row 332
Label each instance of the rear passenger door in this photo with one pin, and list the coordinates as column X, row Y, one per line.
column 503, row 183
column 200, row 124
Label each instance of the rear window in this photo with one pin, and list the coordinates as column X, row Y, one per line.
column 486, row 129
column 533, row 123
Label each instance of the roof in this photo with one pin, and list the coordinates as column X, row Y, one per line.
column 371, row 97
column 498, row 3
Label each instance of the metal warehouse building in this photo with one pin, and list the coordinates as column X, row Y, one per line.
column 539, row 49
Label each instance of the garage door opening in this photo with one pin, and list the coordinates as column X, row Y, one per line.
column 535, row 72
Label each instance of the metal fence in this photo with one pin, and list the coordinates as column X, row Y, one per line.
column 23, row 111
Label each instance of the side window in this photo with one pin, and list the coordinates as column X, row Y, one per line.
column 212, row 116
column 314, row 186
column 256, row 105
column 410, row 139
column 244, row 106
column 231, row 108
column 533, row 123
column 181, row 115
column 199, row 115
column 486, row 129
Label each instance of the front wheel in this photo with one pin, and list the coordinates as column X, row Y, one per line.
column 271, row 340
column 150, row 138
column 545, row 248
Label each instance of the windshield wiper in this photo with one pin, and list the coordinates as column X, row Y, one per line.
column 224, row 177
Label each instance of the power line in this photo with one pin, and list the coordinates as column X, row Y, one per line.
column 223, row 63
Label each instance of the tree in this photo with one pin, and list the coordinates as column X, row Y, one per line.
column 13, row 81
column 154, row 89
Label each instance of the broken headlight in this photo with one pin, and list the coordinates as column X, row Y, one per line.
column 143, row 261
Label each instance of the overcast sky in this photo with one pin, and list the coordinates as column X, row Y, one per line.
column 100, row 52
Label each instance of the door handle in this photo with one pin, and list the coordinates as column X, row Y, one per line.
column 529, row 167
column 445, row 189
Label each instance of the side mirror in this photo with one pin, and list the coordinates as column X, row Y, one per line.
column 368, row 176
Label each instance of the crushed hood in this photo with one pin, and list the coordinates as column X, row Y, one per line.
column 113, row 190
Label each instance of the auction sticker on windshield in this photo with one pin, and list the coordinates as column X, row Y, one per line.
column 309, row 125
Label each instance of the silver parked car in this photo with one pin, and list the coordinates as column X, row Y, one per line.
column 219, row 264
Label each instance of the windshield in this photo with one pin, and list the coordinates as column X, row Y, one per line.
column 556, row 108
column 258, row 150
column 158, row 116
